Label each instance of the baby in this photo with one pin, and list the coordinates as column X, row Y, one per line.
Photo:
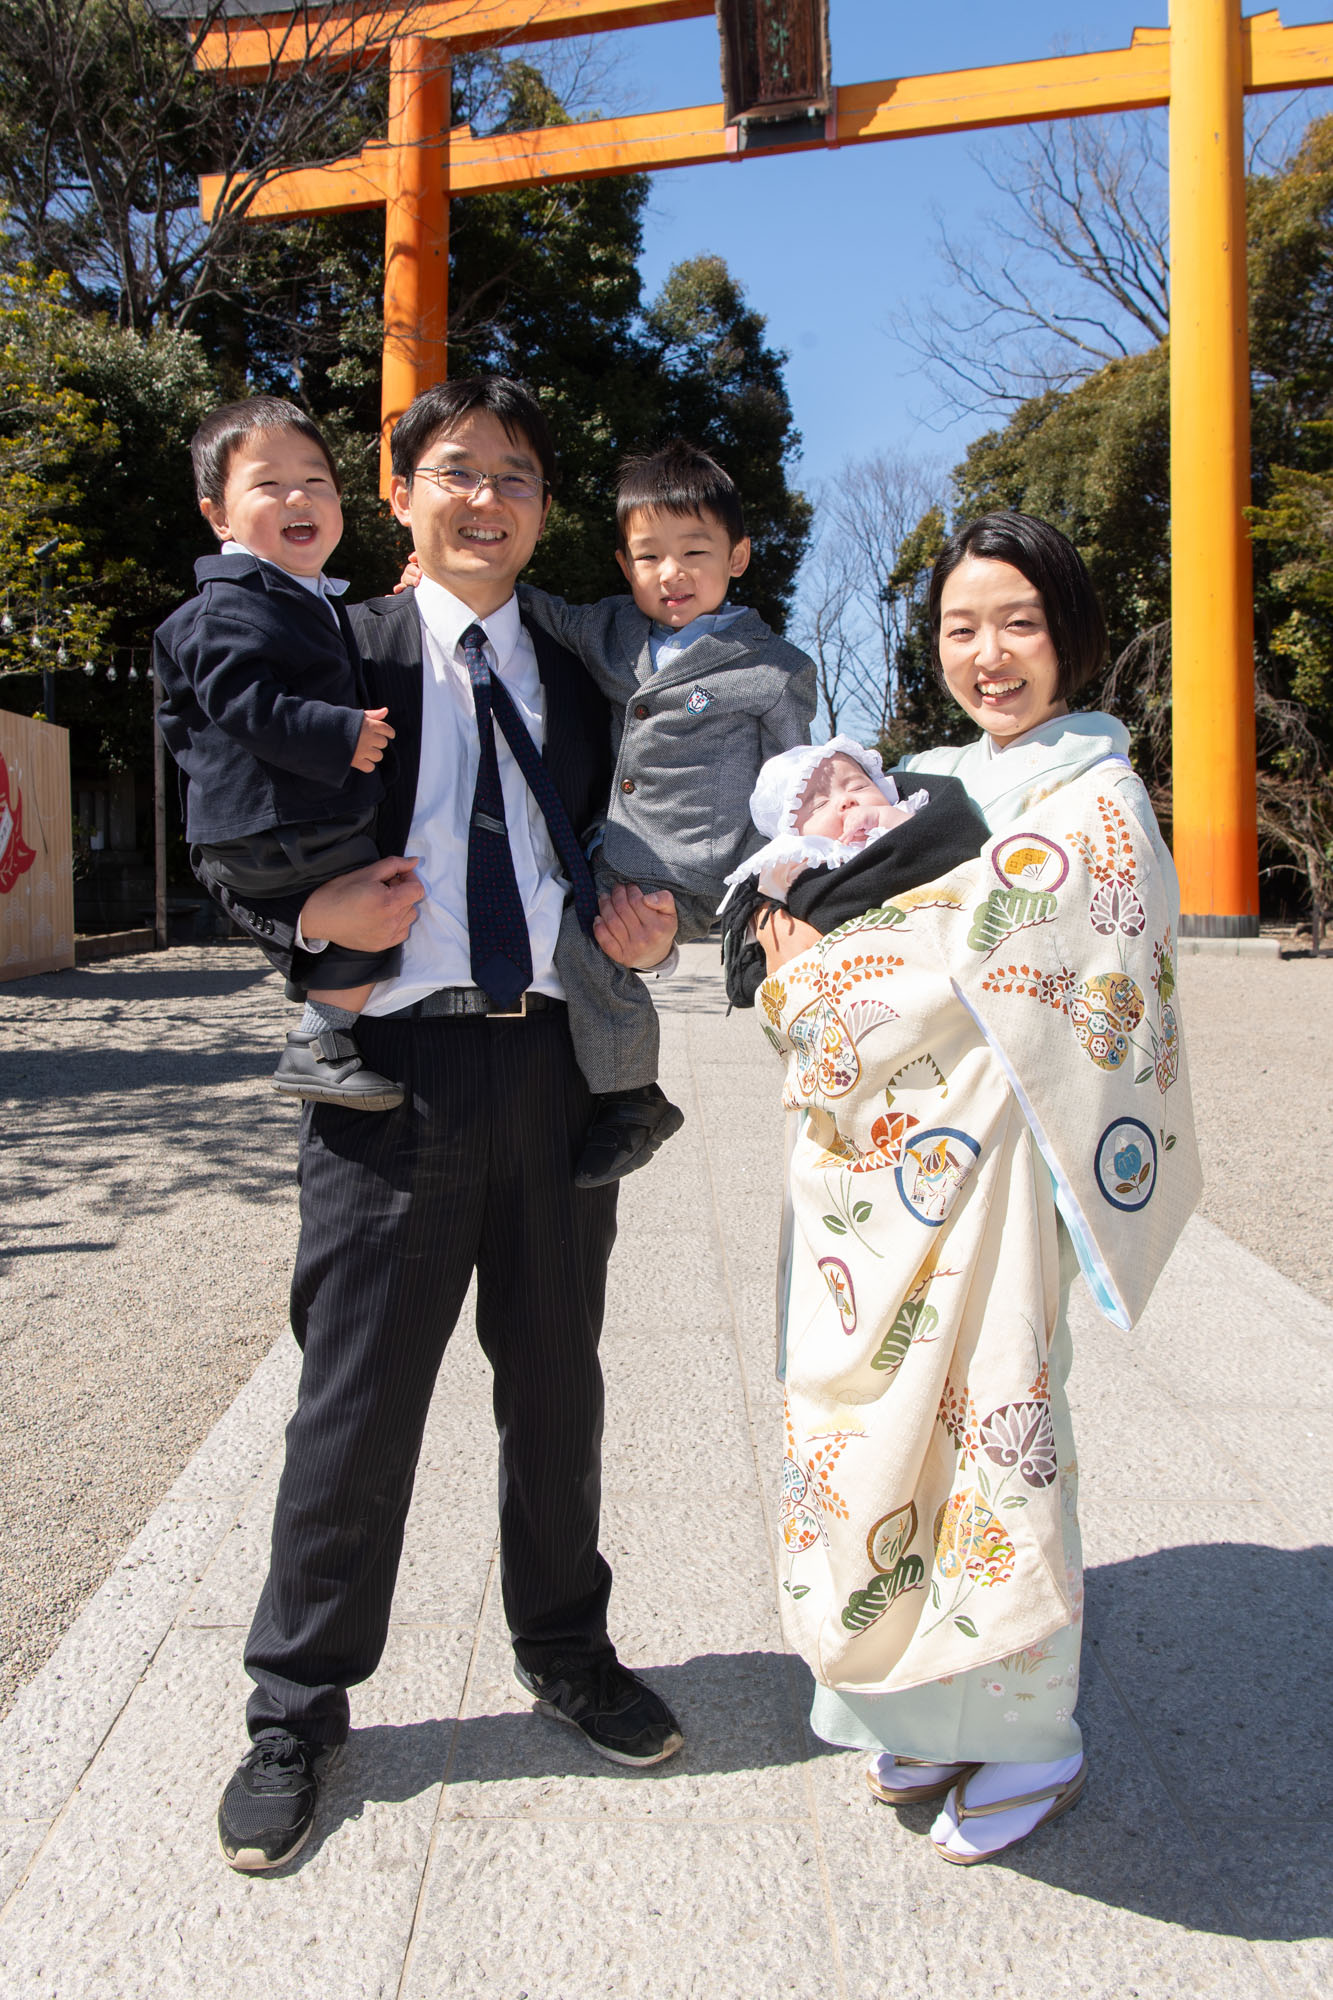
column 841, row 841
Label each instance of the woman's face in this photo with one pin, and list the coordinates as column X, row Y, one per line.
column 996, row 649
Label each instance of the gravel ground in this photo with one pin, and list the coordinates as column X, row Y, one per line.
column 149, row 1221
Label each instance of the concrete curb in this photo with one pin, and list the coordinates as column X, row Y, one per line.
column 1205, row 947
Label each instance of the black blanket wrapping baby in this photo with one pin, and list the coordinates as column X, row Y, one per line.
column 937, row 837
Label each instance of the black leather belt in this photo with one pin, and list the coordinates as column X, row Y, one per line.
column 447, row 1001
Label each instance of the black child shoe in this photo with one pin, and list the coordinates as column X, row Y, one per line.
column 627, row 1129
column 328, row 1069
column 618, row 1713
column 268, row 1808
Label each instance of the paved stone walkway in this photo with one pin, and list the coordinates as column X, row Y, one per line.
column 467, row 1848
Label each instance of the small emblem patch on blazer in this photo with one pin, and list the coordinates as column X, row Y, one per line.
column 697, row 700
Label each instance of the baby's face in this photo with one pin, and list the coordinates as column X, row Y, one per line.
column 843, row 802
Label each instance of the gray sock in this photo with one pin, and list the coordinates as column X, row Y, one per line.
column 322, row 1014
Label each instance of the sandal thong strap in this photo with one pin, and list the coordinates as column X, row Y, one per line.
column 965, row 1811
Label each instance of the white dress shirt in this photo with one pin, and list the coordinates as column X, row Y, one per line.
column 437, row 952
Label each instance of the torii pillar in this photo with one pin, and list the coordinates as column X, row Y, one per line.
column 416, row 230
column 1214, row 835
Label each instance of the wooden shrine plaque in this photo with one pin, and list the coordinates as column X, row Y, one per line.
column 775, row 57
column 36, row 848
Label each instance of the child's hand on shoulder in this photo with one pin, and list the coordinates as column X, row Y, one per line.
column 370, row 744
column 411, row 575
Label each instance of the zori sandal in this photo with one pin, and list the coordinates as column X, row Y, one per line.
column 1062, row 1797
column 916, row 1795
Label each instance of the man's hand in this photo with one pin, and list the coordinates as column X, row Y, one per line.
column 368, row 910
column 411, row 575
column 636, row 928
column 784, row 936
column 375, row 734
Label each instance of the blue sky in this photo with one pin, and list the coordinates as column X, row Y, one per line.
column 835, row 249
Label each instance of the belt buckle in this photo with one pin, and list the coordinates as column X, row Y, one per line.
column 519, row 1013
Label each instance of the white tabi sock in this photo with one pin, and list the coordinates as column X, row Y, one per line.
column 987, row 1786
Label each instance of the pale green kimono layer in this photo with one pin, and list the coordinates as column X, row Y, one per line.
column 964, row 1061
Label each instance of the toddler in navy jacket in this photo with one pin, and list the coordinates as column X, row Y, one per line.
column 262, row 709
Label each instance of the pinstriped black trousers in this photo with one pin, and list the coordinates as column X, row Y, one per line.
column 475, row 1171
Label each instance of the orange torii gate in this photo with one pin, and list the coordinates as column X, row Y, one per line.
column 1201, row 67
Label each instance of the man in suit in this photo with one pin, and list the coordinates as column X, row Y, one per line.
column 475, row 1171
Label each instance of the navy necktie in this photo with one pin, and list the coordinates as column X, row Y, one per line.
column 497, row 926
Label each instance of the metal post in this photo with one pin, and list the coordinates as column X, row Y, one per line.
column 159, row 823
column 44, row 555
column 1212, row 615
column 416, row 230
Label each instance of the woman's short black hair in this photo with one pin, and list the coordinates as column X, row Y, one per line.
column 1052, row 564
column 441, row 409
column 223, row 431
column 679, row 479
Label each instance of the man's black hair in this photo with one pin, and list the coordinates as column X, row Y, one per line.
column 439, row 410
column 223, row 431
column 1052, row 564
column 678, row 479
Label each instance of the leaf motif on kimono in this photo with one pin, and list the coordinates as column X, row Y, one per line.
column 860, row 1016
column 1144, row 1074
column 891, row 1538
column 1022, row 1435
column 834, row 1223
column 862, row 1211
column 966, row 1627
column 914, row 1320
column 827, row 1064
column 1116, row 907
column 1006, row 911
column 865, row 1606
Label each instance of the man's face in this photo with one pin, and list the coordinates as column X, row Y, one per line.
column 679, row 566
column 279, row 501
column 478, row 547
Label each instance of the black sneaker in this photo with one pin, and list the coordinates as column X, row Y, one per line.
column 268, row 1808
column 626, row 1131
column 618, row 1713
column 328, row 1069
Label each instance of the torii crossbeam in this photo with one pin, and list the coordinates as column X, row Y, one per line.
column 1201, row 67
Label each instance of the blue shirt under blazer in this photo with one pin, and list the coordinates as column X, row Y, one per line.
column 262, row 703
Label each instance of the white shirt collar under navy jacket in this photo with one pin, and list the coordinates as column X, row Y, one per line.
column 325, row 588
column 437, row 952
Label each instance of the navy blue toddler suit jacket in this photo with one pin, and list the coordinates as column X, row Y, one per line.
column 577, row 752
column 262, row 703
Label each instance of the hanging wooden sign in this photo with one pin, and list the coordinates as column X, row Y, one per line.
column 775, row 58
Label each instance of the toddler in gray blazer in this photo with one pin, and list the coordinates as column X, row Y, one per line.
column 703, row 694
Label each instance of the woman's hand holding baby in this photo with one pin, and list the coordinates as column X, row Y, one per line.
column 783, row 936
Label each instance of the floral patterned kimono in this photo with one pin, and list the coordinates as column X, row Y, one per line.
column 992, row 1093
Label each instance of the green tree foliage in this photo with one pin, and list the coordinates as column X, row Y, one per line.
column 1095, row 461
column 53, row 439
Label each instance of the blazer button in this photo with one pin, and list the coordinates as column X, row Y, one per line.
column 641, row 709
column 627, row 784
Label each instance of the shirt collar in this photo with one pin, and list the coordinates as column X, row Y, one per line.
column 706, row 622
column 447, row 618
column 321, row 585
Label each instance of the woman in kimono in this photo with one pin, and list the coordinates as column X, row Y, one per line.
column 992, row 1094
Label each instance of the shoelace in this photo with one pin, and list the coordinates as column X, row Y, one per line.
column 275, row 1758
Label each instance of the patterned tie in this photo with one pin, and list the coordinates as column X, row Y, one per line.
column 497, row 927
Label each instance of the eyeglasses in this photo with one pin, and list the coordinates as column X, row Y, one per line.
column 465, row 484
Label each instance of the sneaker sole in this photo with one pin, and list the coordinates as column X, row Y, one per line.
column 254, row 1861
column 673, row 1743
column 312, row 1094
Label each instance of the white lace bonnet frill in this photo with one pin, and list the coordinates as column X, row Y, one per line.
column 776, row 800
